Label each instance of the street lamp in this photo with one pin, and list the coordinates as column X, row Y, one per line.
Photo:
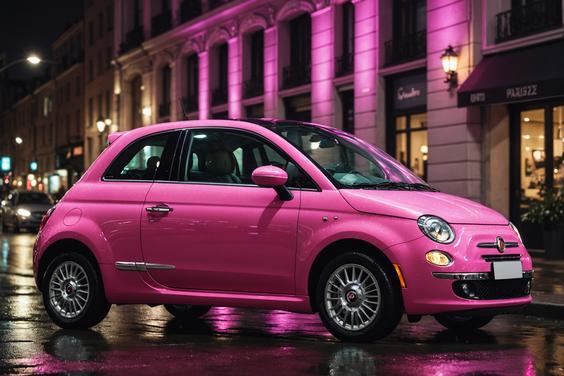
column 18, row 140
column 449, row 59
column 31, row 59
column 101, row 124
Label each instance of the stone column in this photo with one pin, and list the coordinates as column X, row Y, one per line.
column 234, row 77
column 147, row 18
column 322, row 65
column 148, row 97
column 204, row 87
column 175, row 92
column 454, row 163
column 271, row 72
column 366, row 80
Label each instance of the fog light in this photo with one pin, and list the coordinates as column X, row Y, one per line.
column 438, row 258
column 467, row 290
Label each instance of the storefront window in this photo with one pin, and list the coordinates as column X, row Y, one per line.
column 532, row 154
column 558, row 145
column 411, row 142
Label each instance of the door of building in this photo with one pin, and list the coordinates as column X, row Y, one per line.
column 537, row 161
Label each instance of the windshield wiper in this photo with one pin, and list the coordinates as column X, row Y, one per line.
column 392, row 185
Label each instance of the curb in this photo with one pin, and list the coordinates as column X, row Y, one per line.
column 546, row 310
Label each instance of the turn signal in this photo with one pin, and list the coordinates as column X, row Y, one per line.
column 438, row 258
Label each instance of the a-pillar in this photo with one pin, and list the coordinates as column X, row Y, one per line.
column 204, row 87
column 270, row 72
column 322, row 65
column 235, row 77
column 454, row 137
column 366, row 62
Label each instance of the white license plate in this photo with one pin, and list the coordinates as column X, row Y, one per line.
column 507, row 270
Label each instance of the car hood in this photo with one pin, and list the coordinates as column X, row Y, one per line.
column 413, row 204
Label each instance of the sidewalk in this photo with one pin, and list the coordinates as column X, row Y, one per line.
column 548, row 288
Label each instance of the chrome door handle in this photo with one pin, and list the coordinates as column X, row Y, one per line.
column 159, row 209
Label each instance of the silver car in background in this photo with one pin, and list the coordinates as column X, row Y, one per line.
column 24, row 210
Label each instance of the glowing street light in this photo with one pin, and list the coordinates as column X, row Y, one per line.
column 18, row 140
column 33, row 59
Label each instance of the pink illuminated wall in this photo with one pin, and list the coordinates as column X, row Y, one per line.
column 235, row 77
column 322, row 65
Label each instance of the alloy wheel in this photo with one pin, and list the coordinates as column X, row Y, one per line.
column 69, row 290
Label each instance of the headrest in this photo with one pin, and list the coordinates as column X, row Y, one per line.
column 220, row 162
column 153, row 163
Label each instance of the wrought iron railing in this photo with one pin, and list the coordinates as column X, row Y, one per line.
column 253, row 87
column 296, row 75
column 161, row 23
column 406, row 48
column 133, row 38
column 533, row 18
column 219, row 96
column 345, row 64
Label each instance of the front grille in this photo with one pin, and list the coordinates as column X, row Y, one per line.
column 37, row 215
column 490, row 258
column 492, row 289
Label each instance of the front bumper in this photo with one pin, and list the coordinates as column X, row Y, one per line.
column 468, row 283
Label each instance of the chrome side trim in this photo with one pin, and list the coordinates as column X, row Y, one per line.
column 141, row 266
column 494, row 245
column 473, row 276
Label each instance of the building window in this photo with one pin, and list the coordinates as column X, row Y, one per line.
column 109, row 58
column 100, row 107
column 164, row 105
column 253, row 85
column 78, row 123
column 528, row 17
column 190, row 9
column 190, row 100
column 411, row 147
column 108, row 104
column 90, row 111
column 163, row 21
column 347, row 105
column 136, row 100
column 219, row 79
column 255, row 110
column 298, row 72
column 409, row 32
column 109, row 18
column 100, row 63
column 90, row 70
column 100, row 25
column 91, row 33
column 345, row 62
column 298, row 107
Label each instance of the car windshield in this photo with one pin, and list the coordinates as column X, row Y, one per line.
column 350, row 162
column 34, row 198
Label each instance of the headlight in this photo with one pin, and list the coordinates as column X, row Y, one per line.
column 436, row 229
column 23, row 212
column 516, row 231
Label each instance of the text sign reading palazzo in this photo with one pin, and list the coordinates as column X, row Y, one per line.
column 518, row 93
column 410, row 91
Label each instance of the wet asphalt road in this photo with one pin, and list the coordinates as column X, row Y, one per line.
column 143, row 340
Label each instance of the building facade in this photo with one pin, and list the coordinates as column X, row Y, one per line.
column 99, row 75
column 372, row 67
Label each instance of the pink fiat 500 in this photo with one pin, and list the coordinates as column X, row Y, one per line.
column 273, row 214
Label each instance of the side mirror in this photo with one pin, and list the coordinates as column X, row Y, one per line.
column 272, row 177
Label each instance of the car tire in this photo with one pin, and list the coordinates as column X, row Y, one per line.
column 358, row 299
column 186, row 311
column 462, row 323
column 73, row 293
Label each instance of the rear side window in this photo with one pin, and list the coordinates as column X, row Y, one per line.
column 147, row 159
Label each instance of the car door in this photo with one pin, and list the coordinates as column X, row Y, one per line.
column 212, row 228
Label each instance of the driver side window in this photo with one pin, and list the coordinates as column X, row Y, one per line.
column 230, row 157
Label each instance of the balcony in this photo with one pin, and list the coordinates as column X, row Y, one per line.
column 217, row 3
column 190, row 103
column 189, row 10
column 161, row 23
column 164, row 109
column 345, row 64
column 406, row 48
column 253, row 87
column 533, row 18
column 219, row 96
column 296, row 75
column 133, row 39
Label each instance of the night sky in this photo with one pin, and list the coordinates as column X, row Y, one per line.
column 28, row 26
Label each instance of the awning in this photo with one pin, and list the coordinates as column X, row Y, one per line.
column 526, row 74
